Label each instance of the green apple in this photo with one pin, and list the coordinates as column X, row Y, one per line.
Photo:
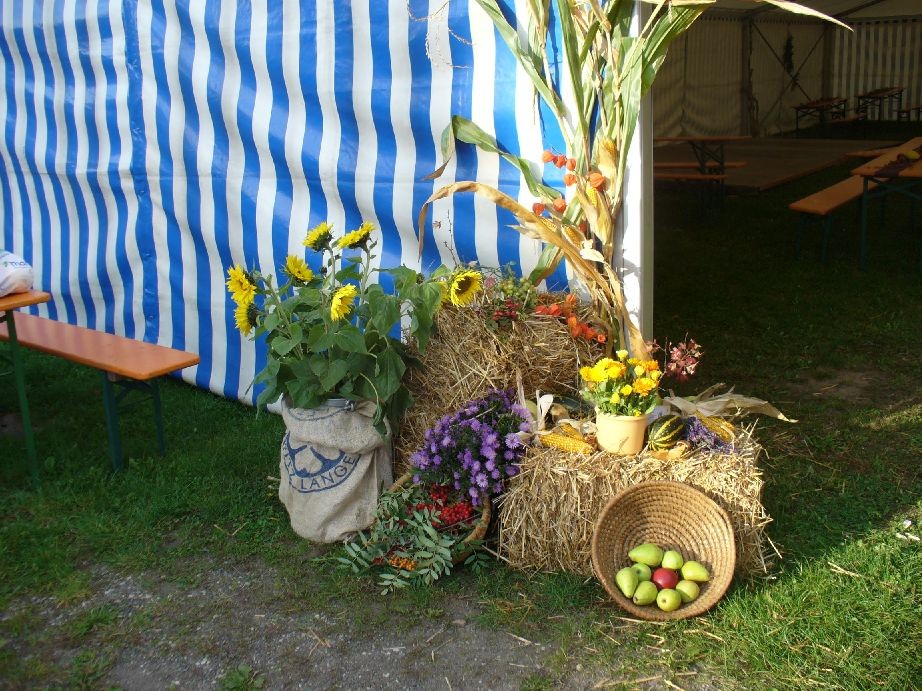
column 695, row 571
column 672, row 560
column 645, row 593
column 688, row 590
column 647, row 553
column 627, row 581
column 668, row 600
column 644, row 572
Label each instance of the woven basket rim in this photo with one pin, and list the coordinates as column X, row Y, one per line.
column 710, row 509
column 479, row 530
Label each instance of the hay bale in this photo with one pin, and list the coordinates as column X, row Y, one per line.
column 465, row 359
column 547, row 516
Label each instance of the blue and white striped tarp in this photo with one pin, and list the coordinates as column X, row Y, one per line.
column 148, row 146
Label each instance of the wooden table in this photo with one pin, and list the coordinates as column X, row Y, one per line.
column 877, row 97
column 9, row 303
column 893, row 173
column 834, row 107
column 708, row 150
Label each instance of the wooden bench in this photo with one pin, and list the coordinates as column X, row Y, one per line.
column 820, row 205
column 132, row 365
column 693, row 165
column 869, row 153
column 904, row 113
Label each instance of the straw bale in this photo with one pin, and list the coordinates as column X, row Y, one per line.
column 547, row 516
column 465, row 359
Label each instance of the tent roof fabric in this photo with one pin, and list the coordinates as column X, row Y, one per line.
column 846, row 10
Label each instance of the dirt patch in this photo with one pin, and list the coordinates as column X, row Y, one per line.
column 142, row 632
column 149, row 633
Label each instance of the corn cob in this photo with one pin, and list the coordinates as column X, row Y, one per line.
column 570, row 431
column 724, row 430
column 556, row 440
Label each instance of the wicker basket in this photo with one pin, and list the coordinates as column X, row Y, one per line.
column 674, row 516
column 478, row 531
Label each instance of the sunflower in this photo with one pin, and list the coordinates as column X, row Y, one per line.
column 464, row 286
column 240, row 285
column 357, row 237
column 319, row 237
column 245, row 317
column 298, row 269
column 342, row 301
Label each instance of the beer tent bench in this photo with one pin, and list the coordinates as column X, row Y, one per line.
column 124, row 362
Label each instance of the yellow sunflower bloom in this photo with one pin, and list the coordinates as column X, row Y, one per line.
column 342, row 301
column 639, row 370
column 240, row 285
column 626, row 390
column 464, row 287
column 298, row 269
column 443, row 286
column 245, row 317
column 319, row 236
column 357, row 237
column 622, row 354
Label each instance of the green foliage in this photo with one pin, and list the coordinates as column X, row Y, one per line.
column 242, row 678
column 336, row 334
column 404, row 547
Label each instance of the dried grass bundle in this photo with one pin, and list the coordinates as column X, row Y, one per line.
column 465, row 359
column 547, row 516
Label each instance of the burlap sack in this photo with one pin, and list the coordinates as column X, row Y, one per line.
column 333, row 466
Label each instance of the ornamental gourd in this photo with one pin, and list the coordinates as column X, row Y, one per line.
column 665, row 432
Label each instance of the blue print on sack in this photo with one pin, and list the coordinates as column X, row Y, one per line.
column 317, row 472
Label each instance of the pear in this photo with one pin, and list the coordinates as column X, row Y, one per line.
column 668, row 600
column 645, row 593
column 672, row 560
column 695, row 571
column 644, row 572
column 627, row 581
column 688, row 590
column 647, row 553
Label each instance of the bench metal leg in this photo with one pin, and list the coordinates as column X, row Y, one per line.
column 827, row 230
column 110, row 403
column 19, row 377
column 158, row 415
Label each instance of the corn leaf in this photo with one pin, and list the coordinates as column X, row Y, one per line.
column 469, row 132
column 530, row 63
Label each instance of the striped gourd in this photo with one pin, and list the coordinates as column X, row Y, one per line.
column 556, row 440
column 724, row 430
column 665, row 432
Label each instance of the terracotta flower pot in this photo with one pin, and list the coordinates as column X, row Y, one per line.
column 620, row 434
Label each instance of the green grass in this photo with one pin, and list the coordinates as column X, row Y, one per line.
column 841, row 609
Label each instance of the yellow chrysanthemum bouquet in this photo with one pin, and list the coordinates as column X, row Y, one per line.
column 622, row 386
column 336, row 333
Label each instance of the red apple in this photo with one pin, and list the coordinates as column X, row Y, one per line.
column 665, row 578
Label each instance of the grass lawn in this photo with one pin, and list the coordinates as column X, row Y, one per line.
column 832, row 346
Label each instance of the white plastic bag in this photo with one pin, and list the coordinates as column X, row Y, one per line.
column 15, row 274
